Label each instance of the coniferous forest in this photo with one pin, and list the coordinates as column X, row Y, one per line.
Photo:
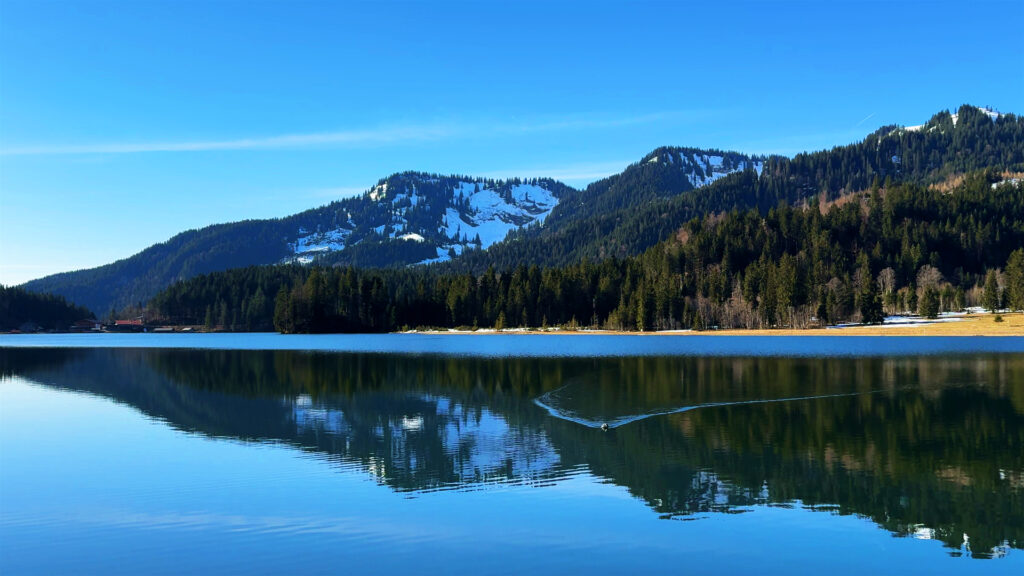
column 892, row 249
column 19, row 306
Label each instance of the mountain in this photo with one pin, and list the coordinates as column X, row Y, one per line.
column 404, row 219
column 625, row 214
column 471, row 224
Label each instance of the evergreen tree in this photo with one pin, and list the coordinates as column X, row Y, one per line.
column 929, row 303
column 990, row 296
column 1013, row 296
column 871, row 305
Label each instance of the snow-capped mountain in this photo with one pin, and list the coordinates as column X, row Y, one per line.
column 423, row 218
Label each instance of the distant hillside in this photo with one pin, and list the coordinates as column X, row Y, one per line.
column 406, row 218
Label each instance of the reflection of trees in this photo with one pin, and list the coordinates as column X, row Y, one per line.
column 926, row 441
column 941, row 444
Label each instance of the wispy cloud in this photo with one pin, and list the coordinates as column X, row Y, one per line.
column 351, row 137
column 363, row 137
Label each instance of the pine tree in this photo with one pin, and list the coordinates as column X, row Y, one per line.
column 990, row 296
column 871, row 305
column 1014, row 295
column 929, row 304
column 282, row 311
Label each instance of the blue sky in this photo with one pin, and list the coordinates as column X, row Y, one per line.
column 122, row 124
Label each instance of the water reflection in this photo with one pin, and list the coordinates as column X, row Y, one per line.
column 926, row 447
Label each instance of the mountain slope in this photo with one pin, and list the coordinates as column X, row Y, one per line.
column 640, row 207
column 406, row 218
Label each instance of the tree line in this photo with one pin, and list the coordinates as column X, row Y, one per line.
column 904, row 248
column 19, row 307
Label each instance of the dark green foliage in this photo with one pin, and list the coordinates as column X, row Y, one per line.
column 19, row 306
column 929, row 303
column 871, row 306
column 990, row 297
column 1014, row 294
column 739, row 269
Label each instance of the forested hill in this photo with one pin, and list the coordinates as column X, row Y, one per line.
column 405, row 218
column 900, row 248
column 947, row 145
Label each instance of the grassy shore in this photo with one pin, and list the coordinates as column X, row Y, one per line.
column 969, row 325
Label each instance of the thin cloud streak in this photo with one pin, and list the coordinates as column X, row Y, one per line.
column 378, row 136
column 354, row 137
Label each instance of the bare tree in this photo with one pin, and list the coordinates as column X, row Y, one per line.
column 887, row 286
column 887, row 281
column 929, row 277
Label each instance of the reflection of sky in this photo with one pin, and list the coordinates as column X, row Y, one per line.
column 538, row 345
column 90, row 486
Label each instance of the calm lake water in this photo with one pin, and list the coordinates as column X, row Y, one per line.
column 485, row 454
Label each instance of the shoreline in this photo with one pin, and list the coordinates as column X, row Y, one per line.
column 970, row 325
column 962, row 325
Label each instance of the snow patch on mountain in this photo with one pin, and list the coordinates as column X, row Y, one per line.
column 715, row 167
column 452, row 214
column 378, row 192
column 704, row 168
column 491, row 216
column 308, row 245
column 322, row 242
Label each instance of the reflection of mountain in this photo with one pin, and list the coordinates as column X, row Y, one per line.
column 417, row 442
column 926, row 447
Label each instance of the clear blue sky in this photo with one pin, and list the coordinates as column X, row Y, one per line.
column 124, row 123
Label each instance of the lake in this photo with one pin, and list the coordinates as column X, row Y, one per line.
column 448, row 454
